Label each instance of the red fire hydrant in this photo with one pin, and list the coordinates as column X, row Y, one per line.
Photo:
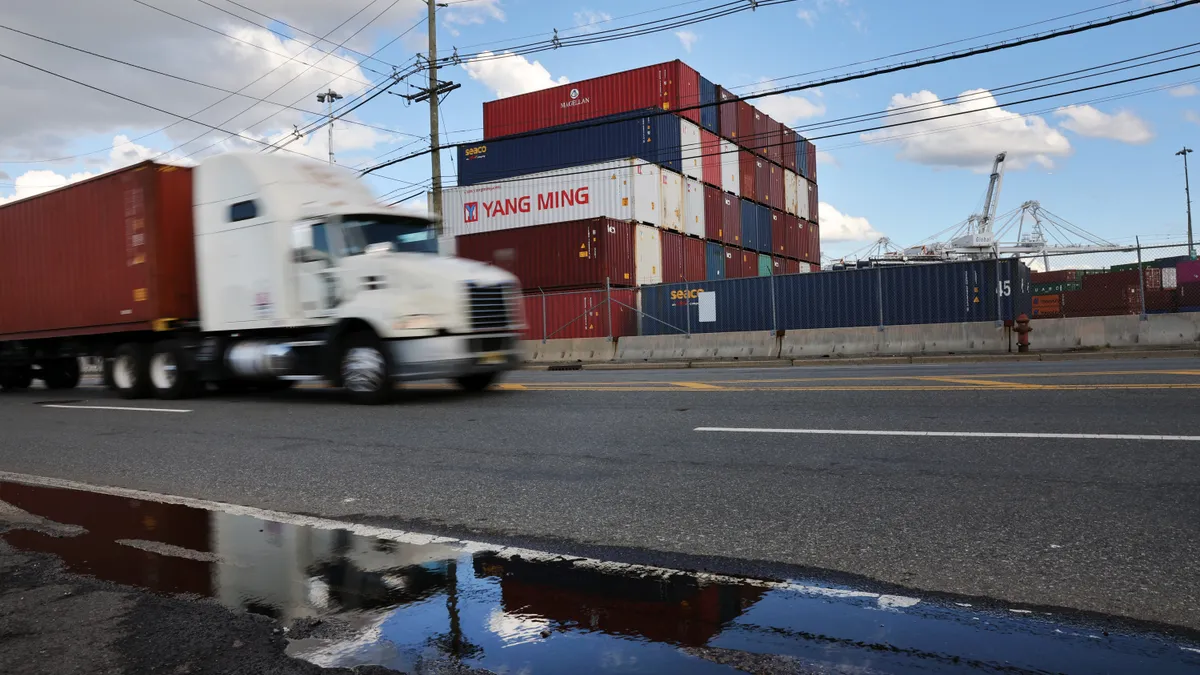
column 1023, row 329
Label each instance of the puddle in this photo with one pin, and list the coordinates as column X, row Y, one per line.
column 351, row 600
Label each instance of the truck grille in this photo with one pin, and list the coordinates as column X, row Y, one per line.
column 489, row 307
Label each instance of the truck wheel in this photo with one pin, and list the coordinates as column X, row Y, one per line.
column 16, row 378
column 61, row 373
column 131, row 370
column 477, row 381
column 366, row 373
column 168, row 373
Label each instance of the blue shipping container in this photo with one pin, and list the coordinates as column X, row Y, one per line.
column 715, row 261
column 654, row 138
column 802, row 147
column 708, row 99
column 958, row 292
column 762, row 221
column 749, row 225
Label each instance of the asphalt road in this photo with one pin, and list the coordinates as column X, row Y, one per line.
column 611, row 464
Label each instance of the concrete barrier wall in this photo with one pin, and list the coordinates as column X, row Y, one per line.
column 1049, row 335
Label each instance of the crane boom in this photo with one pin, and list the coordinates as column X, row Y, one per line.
column 992, row 201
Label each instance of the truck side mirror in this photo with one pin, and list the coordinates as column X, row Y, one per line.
column 302, row 244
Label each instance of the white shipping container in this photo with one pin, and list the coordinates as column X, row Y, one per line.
column 625, row 189
column 690, row 147
column 791, row 192
column 693, row 208
column 803, row 188
column 672, row 201
column 647, row 251
column 731, row 174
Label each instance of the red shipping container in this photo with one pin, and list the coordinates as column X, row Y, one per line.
column 778, row 232
column 727, row 114
column 762, row 132
column 714, row 213
column 787, row 140
column 731, row 219
column 669, row 86
column 777, row 265
column 710, row 161
column 749, row 264
column 814, row 243
column 1187, row 271
column 804, row 239
column 762, row 182
column 562, row 255
column 791, row 266
column 580, row 314
column 745, row 124
column 672, row 253
column 791, row 236
column 774, row 141
column 105, row 255
column 733, row 262
column 746, row 165
column 694, row 251
column 1053, row 277
column 812, row 163
column 775, row 193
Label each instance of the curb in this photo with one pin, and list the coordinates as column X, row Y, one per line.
column 878, row 360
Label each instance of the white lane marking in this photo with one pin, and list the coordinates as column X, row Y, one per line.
column 115, row 407
column 884, row 601
column 950, row 434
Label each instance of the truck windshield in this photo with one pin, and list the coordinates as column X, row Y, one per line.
column 409, row 235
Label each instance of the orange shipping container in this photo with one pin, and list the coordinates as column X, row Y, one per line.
column 105, row 255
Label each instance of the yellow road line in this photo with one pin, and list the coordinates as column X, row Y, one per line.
column 986, row 383
column 696, row 385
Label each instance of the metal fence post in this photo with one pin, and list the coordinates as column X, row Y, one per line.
column 687, row 306
column 999, row 292
column 540, row 290
column 608, row 304
column 879, row 294
column 1141, row 278
column 774, row 312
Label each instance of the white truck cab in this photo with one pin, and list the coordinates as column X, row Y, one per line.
column 303, row 275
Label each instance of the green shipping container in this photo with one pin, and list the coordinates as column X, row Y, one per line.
column 764, row 265
column 1046, row 289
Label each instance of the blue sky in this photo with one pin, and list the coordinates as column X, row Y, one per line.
column 1110, row 168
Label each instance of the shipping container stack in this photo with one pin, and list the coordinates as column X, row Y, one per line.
column 1165, row 287
column 648, row 176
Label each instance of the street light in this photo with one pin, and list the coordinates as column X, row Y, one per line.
column 329, row 97
column 1187, row 191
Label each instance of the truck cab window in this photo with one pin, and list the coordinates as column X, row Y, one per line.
column 243, row 211
column 320, row 239
column 405, row 234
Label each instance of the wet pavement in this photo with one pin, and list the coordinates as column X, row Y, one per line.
column 405, row 602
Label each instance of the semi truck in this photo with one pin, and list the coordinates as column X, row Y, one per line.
column 246, row 271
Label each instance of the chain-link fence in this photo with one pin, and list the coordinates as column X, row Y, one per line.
column 1136, row 279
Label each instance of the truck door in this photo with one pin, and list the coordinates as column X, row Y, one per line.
column 317, row 276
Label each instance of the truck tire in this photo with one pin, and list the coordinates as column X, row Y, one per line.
column 131, row 370
column 366, row 370
column 477, row 381
column 16, row 378
column 61, row 373
column 169, row 375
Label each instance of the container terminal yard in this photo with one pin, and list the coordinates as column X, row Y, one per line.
column 618, row 397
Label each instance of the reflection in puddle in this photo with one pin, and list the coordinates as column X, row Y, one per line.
column 352, row 600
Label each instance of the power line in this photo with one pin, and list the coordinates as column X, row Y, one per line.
column 942, row 58
column 247, row 42
column 189, row 80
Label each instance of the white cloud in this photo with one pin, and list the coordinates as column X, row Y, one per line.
column 826, row 158
column 54, row 112
column 968, row 141
column 687, row 38
column 1185, row 91
column 510, row 75
column 36, row 182
column 787, row 108
column 586, row 19
column 807, row 16
column 1124, row 126
column 837, row 226
column 473, row 13
column 1192, row 116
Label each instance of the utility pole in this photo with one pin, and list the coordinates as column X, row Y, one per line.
column 1187, row 192
column 435, row 89
column 329, row 97
column 434, row 141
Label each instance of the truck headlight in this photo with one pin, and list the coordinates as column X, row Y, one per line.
column 415, row 322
